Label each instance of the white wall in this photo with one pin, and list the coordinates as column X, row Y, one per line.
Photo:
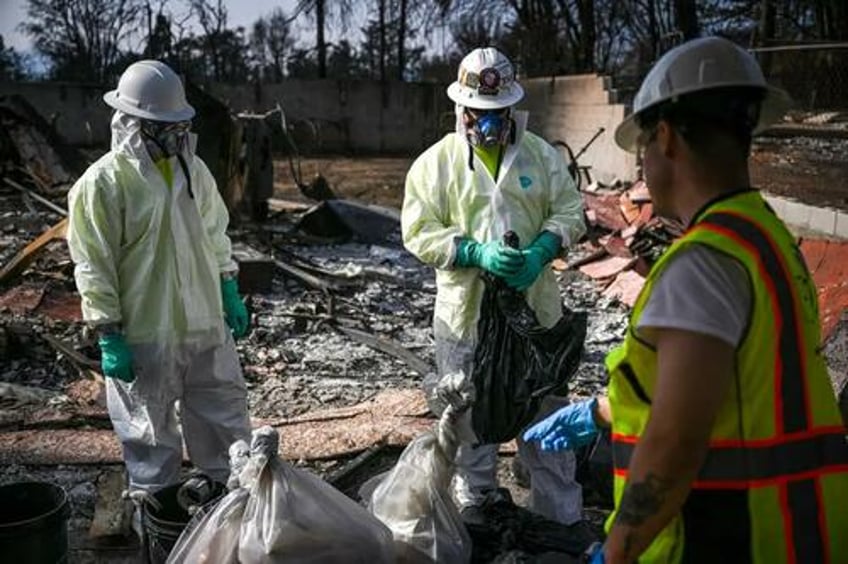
column 572, row 109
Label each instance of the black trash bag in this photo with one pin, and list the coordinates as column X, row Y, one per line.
column 500, row 529
column 518, row 362
column 595, row 471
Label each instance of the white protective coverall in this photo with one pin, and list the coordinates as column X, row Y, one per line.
column 446, row 200
column 149, row 257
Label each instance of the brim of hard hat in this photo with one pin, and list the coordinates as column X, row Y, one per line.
column 775, row 106
column 468, row 98
column 114, row 101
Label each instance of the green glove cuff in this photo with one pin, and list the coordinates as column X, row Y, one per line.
column 110, row 339
column 467, row 253
column 549, row 243
column 229, row 287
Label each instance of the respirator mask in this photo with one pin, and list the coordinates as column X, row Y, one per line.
column 165, row 139
column 488, row 128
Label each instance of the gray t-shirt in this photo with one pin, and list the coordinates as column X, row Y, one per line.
column 701, row 290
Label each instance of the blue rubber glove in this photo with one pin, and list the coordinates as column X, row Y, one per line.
column 115, row 357
column 235, row 314
column 494, row 257
column 568, row 428
column 540, row 252
column 595, row 554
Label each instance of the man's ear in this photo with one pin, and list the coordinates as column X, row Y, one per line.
column 668, row 141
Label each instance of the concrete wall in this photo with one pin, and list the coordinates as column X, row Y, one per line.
column 572, row 109
column 354, row 115
column 329, row 115
column 367, row 117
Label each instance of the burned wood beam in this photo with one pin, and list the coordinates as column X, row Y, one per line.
column 388, row 347
column 307, row 278
column 23, row 259
column 86, row 366
column 36, row 197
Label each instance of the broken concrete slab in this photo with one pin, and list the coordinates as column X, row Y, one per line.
column 606, row 210
column 606, row 268
column 626, row 287
column 629, row 210
column 617, row 247
column 646, row 212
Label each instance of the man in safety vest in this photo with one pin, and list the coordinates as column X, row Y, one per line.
column 154, row 269
column 727, row 442
column 462, row 196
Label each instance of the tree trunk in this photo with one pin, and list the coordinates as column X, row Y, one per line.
column 767, row 28
column 402, row 40
column 586, row 14
column 686, row 13
column 653, row 31
column 382, row 40
column 322, row 44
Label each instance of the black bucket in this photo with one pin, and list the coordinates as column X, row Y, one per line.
column 163, row 525
column 34, row 523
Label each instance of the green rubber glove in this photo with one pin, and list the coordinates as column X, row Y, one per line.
column 115, row 357
column 235, row 314
column 540, row 252
column 494, row 257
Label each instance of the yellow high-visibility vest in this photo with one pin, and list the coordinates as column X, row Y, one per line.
column 774, row 486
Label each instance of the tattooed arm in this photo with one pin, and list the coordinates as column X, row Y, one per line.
column 694, row 374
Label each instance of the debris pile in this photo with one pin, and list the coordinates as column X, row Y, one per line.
column 625, row 238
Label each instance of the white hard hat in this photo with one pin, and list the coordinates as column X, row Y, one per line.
column 486, row 81
column 151, row 90
column 698, row 65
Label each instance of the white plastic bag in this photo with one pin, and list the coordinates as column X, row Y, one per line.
column 284, row 515
column 213, row 537
column 413, row 499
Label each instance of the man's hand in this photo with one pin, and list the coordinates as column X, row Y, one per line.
column 235, row 314
column 568, row 428
column 116, row 357
column 494, row 257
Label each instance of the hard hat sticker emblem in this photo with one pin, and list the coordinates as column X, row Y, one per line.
column 490, row 81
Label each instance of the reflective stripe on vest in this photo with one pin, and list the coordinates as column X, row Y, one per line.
column 752, row 463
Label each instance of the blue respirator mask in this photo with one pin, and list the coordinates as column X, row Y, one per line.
column 487, row 128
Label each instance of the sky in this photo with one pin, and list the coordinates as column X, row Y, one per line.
column 239, row 13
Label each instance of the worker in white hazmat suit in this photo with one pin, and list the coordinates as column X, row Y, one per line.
column 147, row 233
column 462, row 195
